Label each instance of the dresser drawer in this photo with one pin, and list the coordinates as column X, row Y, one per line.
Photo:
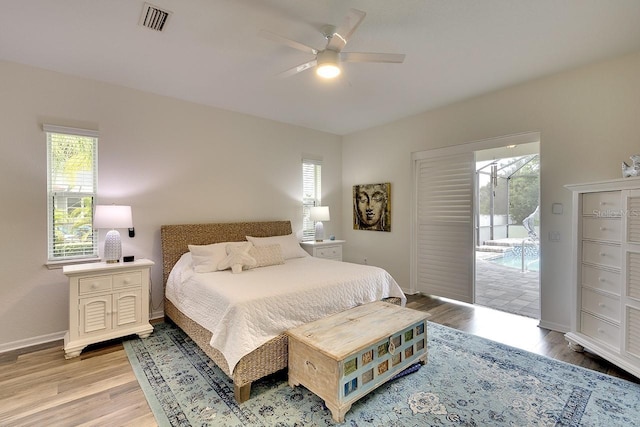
column 601, row 254
column 600, row 304
column 87, row 285
column 602, row 204
column 600, row 330
column 127, row 280
column 605, row 280
column 330, row 252
column 602, row 228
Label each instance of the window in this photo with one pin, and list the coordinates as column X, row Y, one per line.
column 311, row 190
column 71, row 192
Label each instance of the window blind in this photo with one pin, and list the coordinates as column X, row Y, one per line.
column 311, row 191
column 71, row 192
column 444, row 254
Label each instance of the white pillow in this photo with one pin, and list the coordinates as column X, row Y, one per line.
column 266, row 255
column 205, row 258
column 288, row 244
column 237, row 258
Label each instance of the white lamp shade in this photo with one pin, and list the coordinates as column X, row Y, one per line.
column 113, row 216
column 319, row 213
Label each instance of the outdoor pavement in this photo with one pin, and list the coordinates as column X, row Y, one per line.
column 507, row 289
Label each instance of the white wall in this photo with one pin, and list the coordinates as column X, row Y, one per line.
column 589, row 119
column 177, row 162
column 172, row 161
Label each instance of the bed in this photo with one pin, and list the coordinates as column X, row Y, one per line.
column 272, row 355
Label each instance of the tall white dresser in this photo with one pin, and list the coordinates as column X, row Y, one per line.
column 606, row 261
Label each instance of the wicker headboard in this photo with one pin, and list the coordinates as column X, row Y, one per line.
column 175, row 239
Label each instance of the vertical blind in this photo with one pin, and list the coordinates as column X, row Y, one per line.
column 311, row 193
column 444, row 254
column 71, row 192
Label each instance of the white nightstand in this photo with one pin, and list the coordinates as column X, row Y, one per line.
column 329, row 249
column 106, row 301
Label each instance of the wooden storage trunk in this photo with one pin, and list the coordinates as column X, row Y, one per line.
column 343, row 357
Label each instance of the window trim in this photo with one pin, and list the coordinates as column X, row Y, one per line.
column 308, row 226
column 59, row 261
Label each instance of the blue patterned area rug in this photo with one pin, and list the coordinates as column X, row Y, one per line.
column 467, row 381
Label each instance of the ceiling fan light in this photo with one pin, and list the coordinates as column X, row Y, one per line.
column 328, row 71
column 328, row 64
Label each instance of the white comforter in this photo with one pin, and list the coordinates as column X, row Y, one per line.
column 244, row 311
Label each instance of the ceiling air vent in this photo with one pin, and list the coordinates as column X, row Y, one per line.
column 153, row 17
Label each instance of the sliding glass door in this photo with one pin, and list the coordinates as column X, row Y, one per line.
column 443, row 219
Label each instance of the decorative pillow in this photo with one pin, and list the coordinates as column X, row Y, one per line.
column 237, row 258
column 288, row 244
column 205, row 258
column 267, row 255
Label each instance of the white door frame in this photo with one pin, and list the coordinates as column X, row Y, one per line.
column 502, row 141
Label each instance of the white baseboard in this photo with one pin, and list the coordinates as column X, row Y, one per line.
column 156, row 315
column 44, row 339
column 30, row 342
column 553, row 326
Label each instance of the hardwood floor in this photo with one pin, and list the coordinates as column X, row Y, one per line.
column 40, row 387
column 98, row 388
column 516, row 331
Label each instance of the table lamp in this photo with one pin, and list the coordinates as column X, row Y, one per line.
column 319, row 214
column 112, row 216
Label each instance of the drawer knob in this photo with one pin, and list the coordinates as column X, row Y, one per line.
column 603, row 228
column 603, row 254
column 600, row 331
column 94, row 286
column 601, row 280
column 601, row 305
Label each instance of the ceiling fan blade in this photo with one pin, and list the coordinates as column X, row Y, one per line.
column 288, row 42
column 343, row 33
column 298, row 69
column 372, row 57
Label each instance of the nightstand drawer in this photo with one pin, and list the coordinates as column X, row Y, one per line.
column 330, row 252
column 89, row 285
column 127, row 280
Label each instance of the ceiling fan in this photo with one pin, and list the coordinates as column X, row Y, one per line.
column 328, row 60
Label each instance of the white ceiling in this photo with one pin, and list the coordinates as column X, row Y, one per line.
column 211, row 53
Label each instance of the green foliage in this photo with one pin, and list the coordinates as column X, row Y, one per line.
column 73, row 228
column 499, row 199
column 71, row 159
column 522, row 178
column 524, row 197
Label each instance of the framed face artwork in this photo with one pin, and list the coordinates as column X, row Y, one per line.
column 372, row 207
